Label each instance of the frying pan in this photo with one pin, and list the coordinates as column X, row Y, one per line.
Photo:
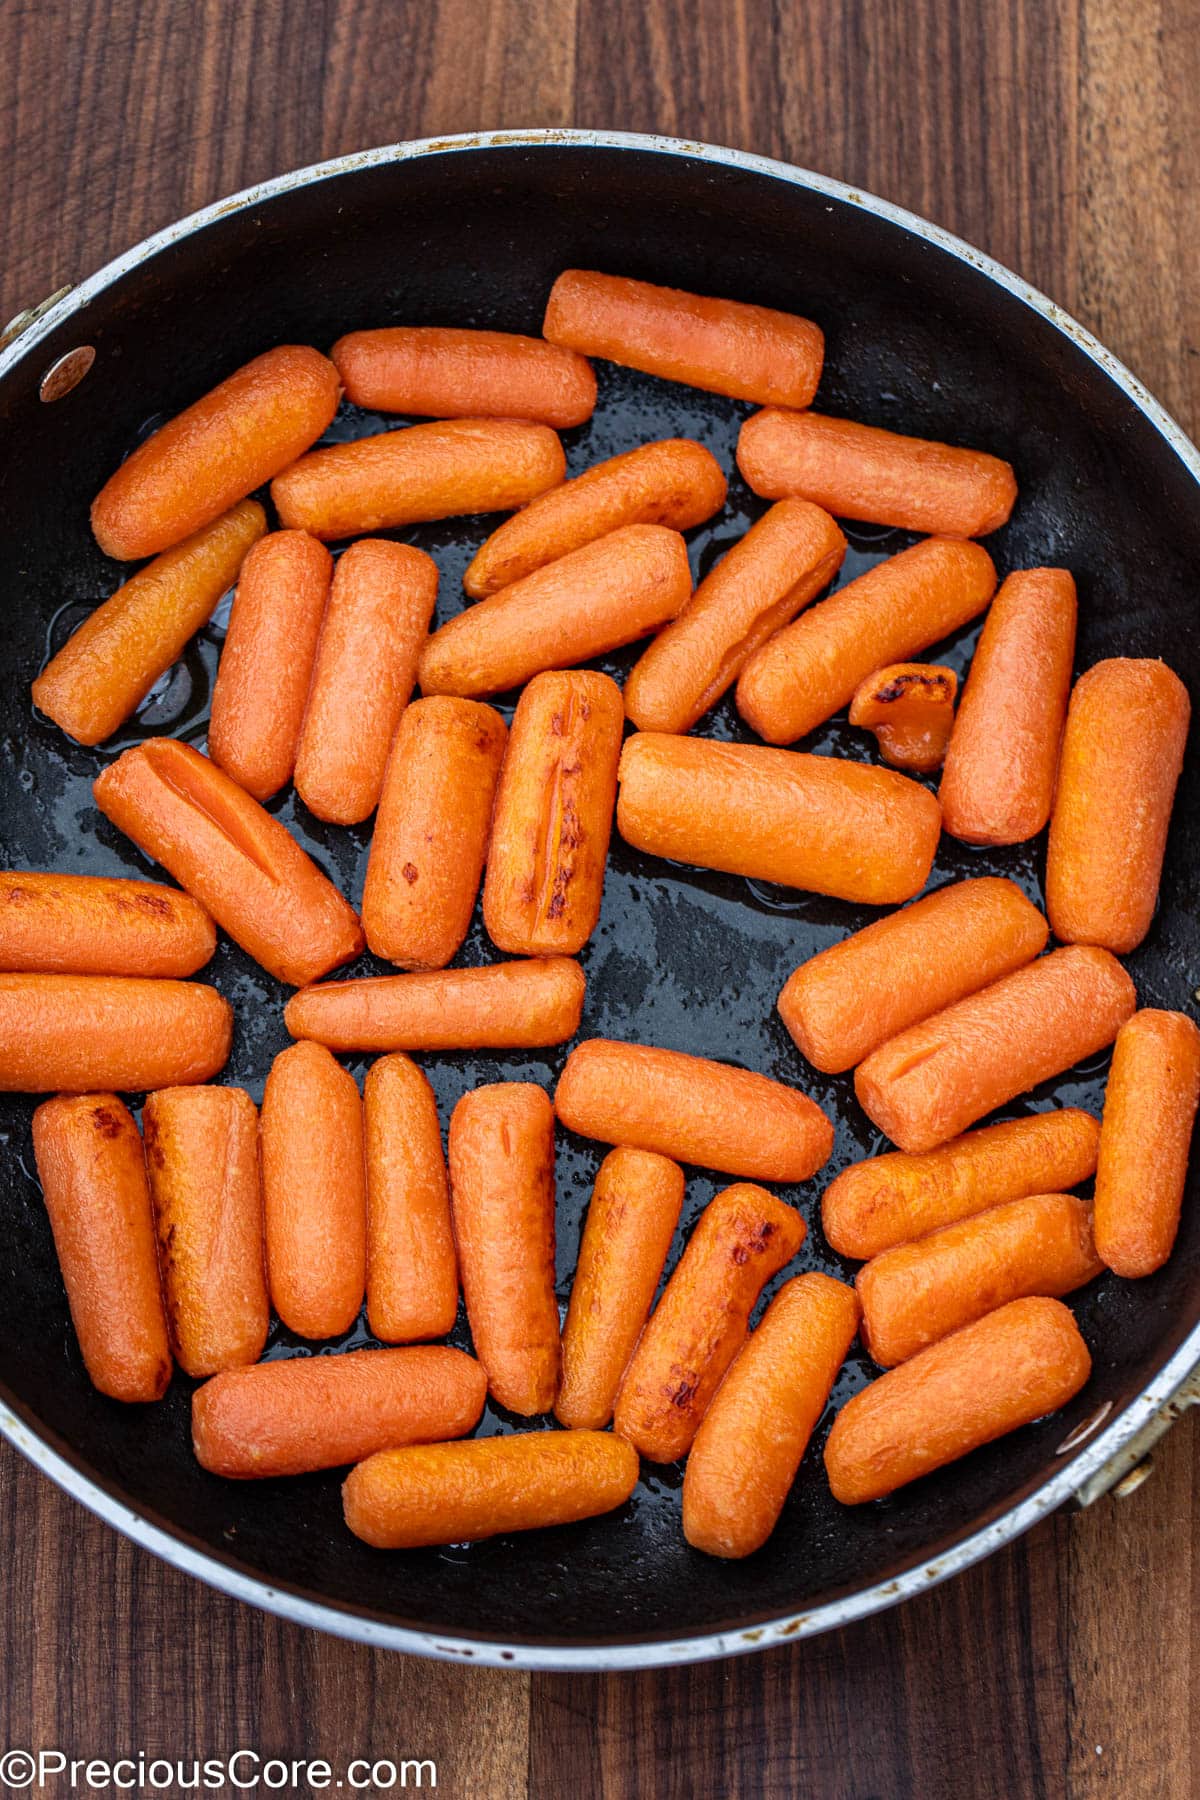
column 924, row 335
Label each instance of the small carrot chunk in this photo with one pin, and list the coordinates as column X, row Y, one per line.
column 910, row 708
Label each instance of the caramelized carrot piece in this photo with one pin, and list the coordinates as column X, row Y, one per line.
column 99, row 925
column 221, row 846
column 444, row 373
column 753, row 1437
column 87, row 1033
column 107, row 667
column 781, row 564
column 93, row 1176
column 1149, row 1110
column 504, row 1006
column 1122, row 751
column 910, row 708
column 553, row 817
column 412, row 1265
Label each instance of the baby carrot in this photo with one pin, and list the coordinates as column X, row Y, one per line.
column 742, row 1238
column 444, row 373
column 321, row 1412
column 314, row 1192
column 1145, row 1135
column 84, row 1033
column 431, row 830
column 808, row 671
column 781, row 564
column 504, row 1006
column 100, row 925
column 502, row 1195
column 693, row 1110
column 597, row 598
column 671, row 482
column 267, row 660
column 107, row 667
column 816, row 822
column 376, row 623
column 1122, row 751
column 933, row 1080
column 998, row 781
column 753, row 1437
column 910, row 708
column 412, row 1265
column 630, row 1223
column 723, row 346
column 93, row 1176
column 202, row 1156
column 216, row 452
column 241, row 863
column 422, row 472
column 844, row 1002
column 553, row 817
column 1005, row 1370
column 456, row 1493
column 892, row 1199
column 861, row 472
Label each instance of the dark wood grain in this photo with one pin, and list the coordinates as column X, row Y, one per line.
column 1062, row 136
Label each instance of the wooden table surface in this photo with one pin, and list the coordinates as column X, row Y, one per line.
column 1060, row 135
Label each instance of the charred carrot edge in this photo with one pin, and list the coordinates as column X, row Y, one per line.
column 99, row 925
column 606, row 594
column 815, row 822
column 443, row 373
column 109, row 664
column 505, row 1006
column 431, row 830
column 631, row 1220
column 862, row 472
column 753, row 1437
column 672, row 482
column 781, row 564
column 1122, row 751
column 267, row 660
column 1145, row 1135
column 1007, row 1369
column 240, row 862
column 848, row 1000
column 804, row 674
column 321, row 1412
column 412, row 1265
column 724, row 346
column 502, row 1195
column 892, row 1199
column 85, row 1034
column 742, row 1238
column 456, row 1493
column 910, row 709
column 553, row 817
column 93, row 1176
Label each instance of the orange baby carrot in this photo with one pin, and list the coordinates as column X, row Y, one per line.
column 1122, row 751
column 753, row 1437
column 693, row 1110
column 449, row 374
column 423, row 472
column 85, row 1033
column 933, row 1080
column 240, row 862
column 861, row 472
column 314, row 1192
column 723, row 346
column 910, row 708
column 267, row 660
column 553, row 817
column 216, row 452
column 897, row 609
column 998, row 781
column 599, row 597
column 781, row 564
column 844, row 1002
column 671, row 482
column 892, row 1199
column 456, row 1493
column 202, row 1155
column 502, row 1194
column 412, row 1266
column 1004, row 1371
column 100, row 925
column 107, row 667
column 630, row 1223
column 816, row 822
column 431, row 830
column 742, row 1238
column 93, row 1176
column 1145, row 1135
column 321, row 1412
column 504, row 1006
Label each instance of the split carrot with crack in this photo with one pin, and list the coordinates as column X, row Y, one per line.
column 1145, row 1136
column 412, row 1265
column 84, row 1034
column 503, row 1006
column 446, row 373
column 56, row 924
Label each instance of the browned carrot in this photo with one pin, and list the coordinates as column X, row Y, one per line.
column 505, row 1006
column 443, row 373
column 910, row 708
column 87, row 1033
column 412, row 1265
column 99, row 925
column 1149, row 1110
